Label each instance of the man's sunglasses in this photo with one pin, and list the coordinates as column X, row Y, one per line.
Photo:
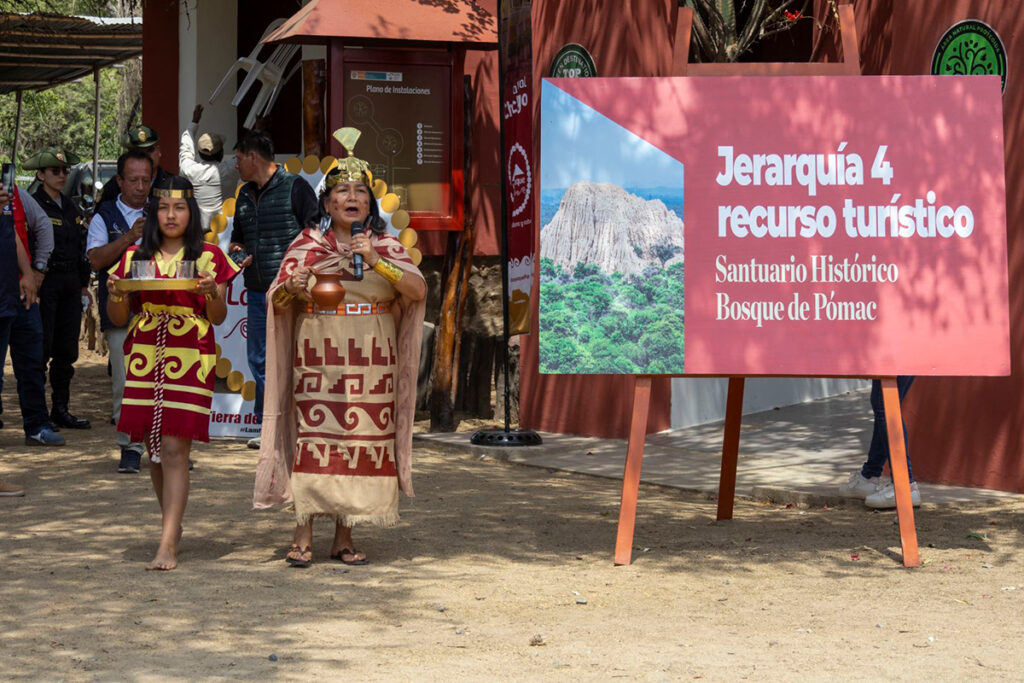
column 58, row 170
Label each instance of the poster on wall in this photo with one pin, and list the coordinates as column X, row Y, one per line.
column 232, row 412
column 404, row 114
column 773, row 225
column 517, row 123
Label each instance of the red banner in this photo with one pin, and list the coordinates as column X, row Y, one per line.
column 518, row 164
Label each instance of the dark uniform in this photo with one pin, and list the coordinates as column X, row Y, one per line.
column 60, row 299
column 60, row 296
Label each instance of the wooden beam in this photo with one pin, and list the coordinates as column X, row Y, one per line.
column 631, row 471
column 21, row 64
column 900, row 473
column 54, row 48
column 730, row 447
column 74, row 36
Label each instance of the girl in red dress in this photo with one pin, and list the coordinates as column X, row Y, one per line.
column 170, row 353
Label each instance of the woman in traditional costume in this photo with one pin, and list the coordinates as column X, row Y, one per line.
column 341, row 381
column 169, row 353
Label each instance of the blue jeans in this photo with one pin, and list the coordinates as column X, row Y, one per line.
column 256, row 344
column 878, row 452
column 24, row 334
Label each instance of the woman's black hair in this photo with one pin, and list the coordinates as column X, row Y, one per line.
column 373, row 222
column 151, row 229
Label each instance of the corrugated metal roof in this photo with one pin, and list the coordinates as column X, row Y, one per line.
column 465, row 22
column 38, row 51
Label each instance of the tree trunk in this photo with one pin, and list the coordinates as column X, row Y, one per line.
column 442, row 406
column 449, row 331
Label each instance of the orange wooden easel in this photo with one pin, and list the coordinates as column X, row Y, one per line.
column 734, row 401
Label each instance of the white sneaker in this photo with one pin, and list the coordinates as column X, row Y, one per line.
column 857, row 486
column 10, row 490
column 885, row 497
column 254, row 443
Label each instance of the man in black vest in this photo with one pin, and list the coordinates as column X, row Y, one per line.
column 272, row 209
column 143, row 138
column 116, row 226
column 67, row 277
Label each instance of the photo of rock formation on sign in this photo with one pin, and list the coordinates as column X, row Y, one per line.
column 616, row 230
column 611, row 246
column 611, row 279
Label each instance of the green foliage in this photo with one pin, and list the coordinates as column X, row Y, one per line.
column 93, row 8
column 598, row 323
column 63, row 116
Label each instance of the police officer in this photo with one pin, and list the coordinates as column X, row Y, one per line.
column 146, row 139
column 67, row 279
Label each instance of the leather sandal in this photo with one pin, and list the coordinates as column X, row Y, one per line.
column 298, row 561
column 351, row 552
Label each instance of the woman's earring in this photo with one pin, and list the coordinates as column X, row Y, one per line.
column 325, row 223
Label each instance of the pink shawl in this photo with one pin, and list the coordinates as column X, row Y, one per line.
column 279, row 432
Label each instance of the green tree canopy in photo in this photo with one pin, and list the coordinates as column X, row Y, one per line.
column 593, row 322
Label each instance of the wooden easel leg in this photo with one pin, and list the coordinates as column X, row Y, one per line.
column 730, row 447
column 631, row 474
column 900, row 475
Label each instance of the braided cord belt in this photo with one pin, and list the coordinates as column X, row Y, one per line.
column 164, row 320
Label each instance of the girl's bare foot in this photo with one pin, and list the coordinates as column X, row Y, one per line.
column 165, row 560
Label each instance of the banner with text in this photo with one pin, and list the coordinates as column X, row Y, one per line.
column 833, row 226
column 518, row 166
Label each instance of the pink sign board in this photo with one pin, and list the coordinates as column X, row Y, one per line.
column 773, row 225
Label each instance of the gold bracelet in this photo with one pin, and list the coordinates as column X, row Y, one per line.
column 388, row 270
column 281, row 296
column 116, row 299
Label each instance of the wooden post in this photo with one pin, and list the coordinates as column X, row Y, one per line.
column 631, row 472
column 17, row 134
column 96, row 139
column 314, row 85
column 900, row 474
column 730, row 447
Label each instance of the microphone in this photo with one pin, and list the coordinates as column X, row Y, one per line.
column 357, row 259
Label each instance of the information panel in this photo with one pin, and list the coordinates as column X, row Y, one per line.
column 773, row 225
column 404, row 114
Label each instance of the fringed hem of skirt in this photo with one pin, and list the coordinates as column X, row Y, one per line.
column 384, row 521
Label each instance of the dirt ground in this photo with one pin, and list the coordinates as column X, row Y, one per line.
column 496, row 571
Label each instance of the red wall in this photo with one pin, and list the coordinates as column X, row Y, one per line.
column 160, row 76
column 630, row 38
column 970, row 431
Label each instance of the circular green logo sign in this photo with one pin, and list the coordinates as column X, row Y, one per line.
column 573, row 61
column 970, row 47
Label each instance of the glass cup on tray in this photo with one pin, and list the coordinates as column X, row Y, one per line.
column 143, row 270
column 185, row 270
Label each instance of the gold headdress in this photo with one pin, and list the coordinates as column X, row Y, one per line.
column 172, row 194
column 350, row 168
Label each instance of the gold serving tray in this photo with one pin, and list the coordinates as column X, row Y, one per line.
column 156, row 284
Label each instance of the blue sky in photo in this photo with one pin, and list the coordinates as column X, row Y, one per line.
column 578, row 143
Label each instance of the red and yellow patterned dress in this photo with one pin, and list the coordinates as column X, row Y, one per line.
column 170, row 354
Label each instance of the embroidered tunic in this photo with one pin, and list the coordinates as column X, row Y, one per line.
column 170, row 353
